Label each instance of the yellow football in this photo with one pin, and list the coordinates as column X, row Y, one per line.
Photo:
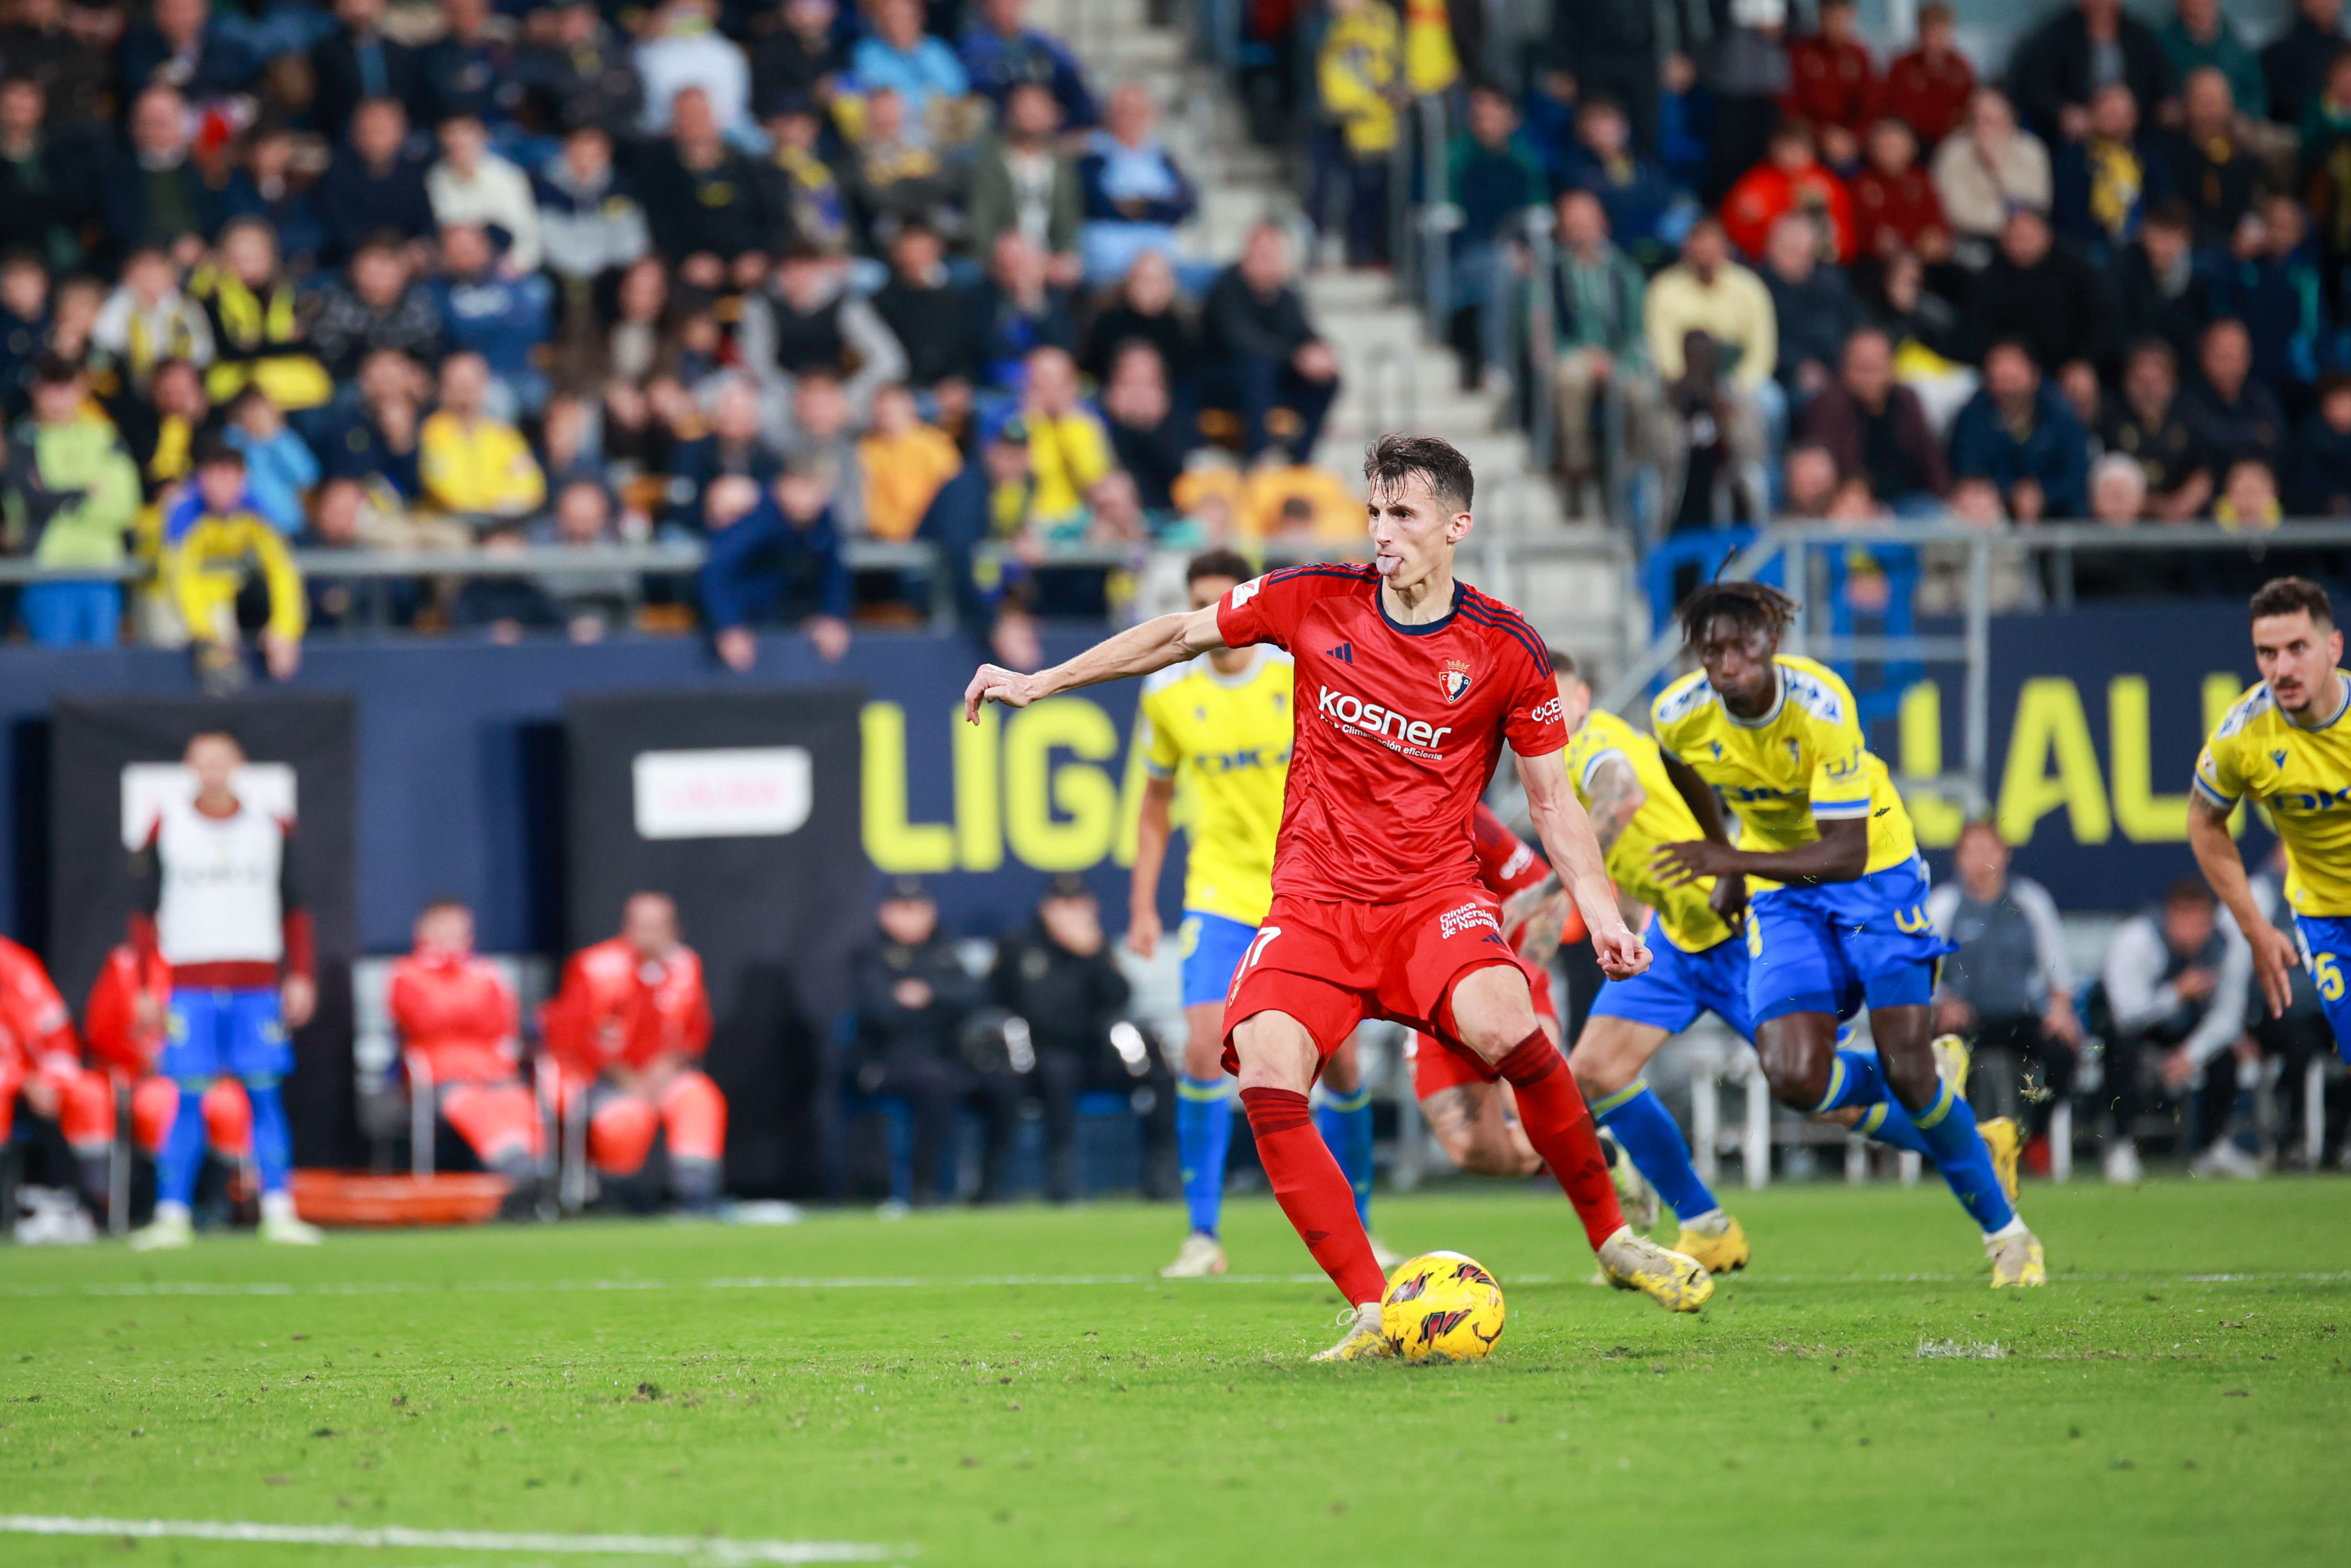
column 1442, row 1306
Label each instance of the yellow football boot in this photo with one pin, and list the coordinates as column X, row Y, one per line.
column 2017, row 1261
column 2005, row 1140
column 1634, row 1262
column 1719, row 1253
column 1364, row 1338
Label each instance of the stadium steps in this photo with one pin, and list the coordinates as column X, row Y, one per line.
column 1574, row 588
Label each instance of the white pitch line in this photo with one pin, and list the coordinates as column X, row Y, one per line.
column 916, row 1283
column 717, row 1550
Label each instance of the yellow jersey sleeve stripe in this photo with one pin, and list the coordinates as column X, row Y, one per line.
column 2226, row 802
column 1591, row 764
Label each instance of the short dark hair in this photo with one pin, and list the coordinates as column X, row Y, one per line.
column 1217, row 563
column 2287, row 595
column 1981, row 825
column 2171, row 213
column 1395, row 459
column 1562, row 663
column 1756, row 606
column 219, row 455
column 2188, row 890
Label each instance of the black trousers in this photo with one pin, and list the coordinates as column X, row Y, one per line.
column 936, row 1090
column 1062, row 1077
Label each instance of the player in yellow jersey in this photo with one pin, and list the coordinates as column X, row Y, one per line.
column 1225, row 720
column 1699, row 962
column 2287, row 744
column 1837, row 895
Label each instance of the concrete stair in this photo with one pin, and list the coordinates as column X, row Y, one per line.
column 1568, row 576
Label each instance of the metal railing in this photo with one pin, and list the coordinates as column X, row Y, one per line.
column 1800, row 551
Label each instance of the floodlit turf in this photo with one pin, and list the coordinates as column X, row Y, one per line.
column 2178, row 1394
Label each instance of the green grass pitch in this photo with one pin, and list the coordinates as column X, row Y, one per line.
column 1017, row 1386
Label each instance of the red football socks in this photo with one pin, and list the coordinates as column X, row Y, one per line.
column 1308, row 1185
column 1558, row 1124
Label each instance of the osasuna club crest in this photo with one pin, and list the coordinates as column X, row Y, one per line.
column 1454, row 679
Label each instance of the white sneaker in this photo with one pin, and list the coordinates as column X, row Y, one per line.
column 2228, row 1158
column 1386, row 1257
column 1634, row 1195
column 171, row 1229
column 52, row 1219
column 2122, row 1166
column 1201, row 1256
column 281, row 1225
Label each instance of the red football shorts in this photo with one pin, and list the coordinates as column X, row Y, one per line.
column 1437, row 1067
column 1330, row 966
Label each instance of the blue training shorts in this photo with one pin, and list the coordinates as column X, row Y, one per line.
column 1213, row 947
column 1838, row 947
column 234, row 1034
column 2327, row 949
column 1678, row 986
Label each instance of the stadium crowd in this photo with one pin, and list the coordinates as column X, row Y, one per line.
column 776, row 279
column 2103, row 283
column 784, row 280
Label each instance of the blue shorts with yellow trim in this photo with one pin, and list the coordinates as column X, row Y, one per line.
column 1841, row 945
column 1213, row 947
column 224, row 1034
column 2326, row 950
column 1678, row 986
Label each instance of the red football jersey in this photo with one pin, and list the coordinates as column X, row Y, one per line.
column 1505, row 862
column 1398, row 728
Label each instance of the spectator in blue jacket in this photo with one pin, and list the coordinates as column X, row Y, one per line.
column 898, row 55
column 2019, row 434
column 1000, row 54
column 2269, row 281
column 504, row 319
column 1647, row 212
column 265, row 188
column 182, row 45
column 733, row 448
column 775, row 559
column 374, row 186
column 1134, row 193
column 279, row 470
column 468, row 70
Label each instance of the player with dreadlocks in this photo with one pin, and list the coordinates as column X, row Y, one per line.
column 1837, row 916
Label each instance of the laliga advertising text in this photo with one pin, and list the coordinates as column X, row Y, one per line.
column 1390, row 728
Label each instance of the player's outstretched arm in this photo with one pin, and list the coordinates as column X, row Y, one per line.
column 2224, row 868
column 1839, row 855
column 1154, row 645
column 1574, row 852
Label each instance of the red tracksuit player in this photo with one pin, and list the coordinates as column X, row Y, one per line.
column 111, row 1027
column 1408, row 683
column 40, row 1060
column 629, row 1025
column 456, row 1011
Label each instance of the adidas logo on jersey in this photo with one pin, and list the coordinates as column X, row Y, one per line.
column 1344, row 653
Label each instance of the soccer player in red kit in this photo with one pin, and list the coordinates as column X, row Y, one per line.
column 1407, row 684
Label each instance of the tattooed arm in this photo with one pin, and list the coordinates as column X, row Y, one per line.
column 1616, row 797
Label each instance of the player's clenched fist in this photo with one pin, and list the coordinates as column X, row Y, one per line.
column 994, row 682
column 1622, row 955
